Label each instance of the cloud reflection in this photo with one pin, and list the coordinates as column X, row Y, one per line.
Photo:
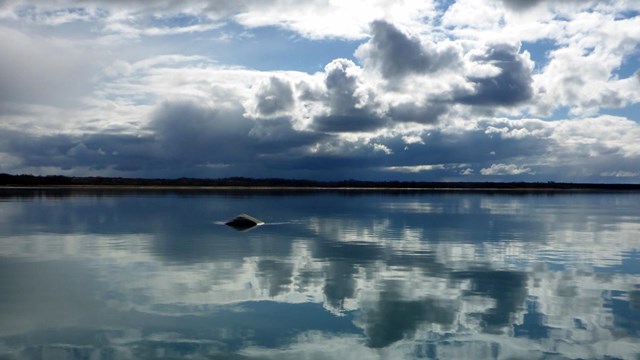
column 427, row 276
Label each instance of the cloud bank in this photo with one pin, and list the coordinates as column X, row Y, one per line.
column 525, row 90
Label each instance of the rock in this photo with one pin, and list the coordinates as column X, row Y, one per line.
column 243, row 222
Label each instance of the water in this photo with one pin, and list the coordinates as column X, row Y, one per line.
column 116, row 275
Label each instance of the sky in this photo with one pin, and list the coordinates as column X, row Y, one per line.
column 431, row 90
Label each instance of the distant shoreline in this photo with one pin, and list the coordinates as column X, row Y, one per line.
column 317, row 189
column 32, row 182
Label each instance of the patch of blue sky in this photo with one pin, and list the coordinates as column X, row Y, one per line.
column 443, row 5
column 271, row 48
column 539, row 51
column 630, row 65
column 628, row 14
column 631, row 112
column 561, row 113
column 265, row 48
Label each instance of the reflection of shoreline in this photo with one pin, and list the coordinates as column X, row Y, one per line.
column 88, row 190
column 480, row 187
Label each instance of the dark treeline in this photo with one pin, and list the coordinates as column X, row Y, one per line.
column 57, row 180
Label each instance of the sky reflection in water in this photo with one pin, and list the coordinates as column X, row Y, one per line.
column 336, row 275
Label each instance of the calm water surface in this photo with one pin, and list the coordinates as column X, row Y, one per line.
column 103, row 275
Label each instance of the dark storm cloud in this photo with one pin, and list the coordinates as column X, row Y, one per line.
column 425, row 114
column 350, row 107
column 338, row 164
column 438, row 147
column 397, row 55
column 274, row 97
column 185, row 138
column 190, row 135
column 276, row 136
column 97, row 152
column 441, row 148
column 353, row 121
column 199, row 134
column 194, row 134
column 510, row 87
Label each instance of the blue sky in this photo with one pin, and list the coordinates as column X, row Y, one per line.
column 466, row 90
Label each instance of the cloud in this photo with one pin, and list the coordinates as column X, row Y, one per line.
column 521, row 4
column 308, row 18
column 351, row 107
column 348, row 19
column 571, row 149
column 43, row 154
column 354, row 121
column 413, row 95
column 511, row 86
column 416, row 168
column 38, row 70
column 506, row 169
column 621, row 174
column 342, row 83
column 426, row 114
column 582, row 48
column 396, row 55
column 278, row 138
column 184, row 139
column 274, row 97
column 583, row 73
column 194, row 134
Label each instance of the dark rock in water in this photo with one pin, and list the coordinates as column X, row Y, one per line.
column 244, row 222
